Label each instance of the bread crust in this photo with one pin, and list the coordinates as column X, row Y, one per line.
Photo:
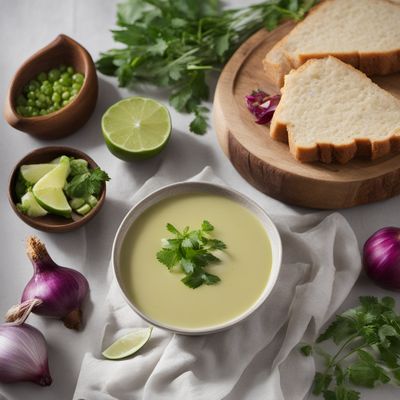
column 328, row 152
column 371, row 63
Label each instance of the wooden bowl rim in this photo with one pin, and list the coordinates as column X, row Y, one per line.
column 36, row 223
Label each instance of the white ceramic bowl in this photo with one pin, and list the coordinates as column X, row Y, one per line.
column 199, row 187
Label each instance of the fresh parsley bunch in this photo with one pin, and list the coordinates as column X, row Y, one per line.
column 368, row 340
column 191, row 250
column 175, row 43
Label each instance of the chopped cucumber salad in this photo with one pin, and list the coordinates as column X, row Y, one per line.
column 60, row 187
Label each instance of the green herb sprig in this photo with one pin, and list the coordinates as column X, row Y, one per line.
column 192, row 251
column 84, row 184
column 368, row 340
column 175, row 43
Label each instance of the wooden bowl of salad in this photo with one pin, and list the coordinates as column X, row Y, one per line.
column 57, row 189
column 54, row 92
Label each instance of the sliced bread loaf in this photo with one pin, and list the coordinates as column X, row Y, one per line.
column 363, row 33
column 331, row 111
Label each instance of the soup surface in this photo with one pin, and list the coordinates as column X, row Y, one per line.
column 160, row 294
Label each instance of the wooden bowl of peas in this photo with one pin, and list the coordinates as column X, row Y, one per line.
column 54, row 92
column 48, row 221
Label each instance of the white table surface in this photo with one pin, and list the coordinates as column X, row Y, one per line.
column 28, row 25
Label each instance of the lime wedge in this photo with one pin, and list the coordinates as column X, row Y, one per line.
column 48, row 190
column 54, row 201
column 136, row 128
column 128, row 344
column 30, row 206
column 32, row 173
column 56, row 178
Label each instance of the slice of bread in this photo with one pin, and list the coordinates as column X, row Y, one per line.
column 330, row 111
column 363, row 33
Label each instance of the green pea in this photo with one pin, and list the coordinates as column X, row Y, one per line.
column 65, row 102
column 43, row 112
column 58, row 89
column 78, row 77
column 76, row 86
column 66, row 95
column 42, row 77
column 56, row 97
column 56, row 106
column 34, row 113
column 33, row 85
column 30, row 102
column 38, row 104
column 31, row 95
column 70, row 70
column 54, row 75
column 74, row 92
column 65, row 80
column 47, row 90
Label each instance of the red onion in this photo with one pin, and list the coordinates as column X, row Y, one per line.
column 62, row 290
column 381, row 257
column 23, row 353
column 262, row 106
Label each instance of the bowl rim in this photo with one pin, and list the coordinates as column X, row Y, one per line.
column 69, row 224
column 187, row 187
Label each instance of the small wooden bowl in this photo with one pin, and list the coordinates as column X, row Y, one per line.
column 52, row 223
column 63, row 50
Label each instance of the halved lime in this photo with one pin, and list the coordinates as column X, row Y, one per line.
column 54, row 201
column 33, row 172
column 48, row 190
column 128, row 344
column 136, row 128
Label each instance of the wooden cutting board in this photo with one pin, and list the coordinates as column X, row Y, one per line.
column 268, row 164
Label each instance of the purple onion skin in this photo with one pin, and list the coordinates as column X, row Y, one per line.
column 23, row 355
column 61, row 289
column 262, row 106
column 381, row 257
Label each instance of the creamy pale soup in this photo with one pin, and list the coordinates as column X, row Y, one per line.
column 160, row 294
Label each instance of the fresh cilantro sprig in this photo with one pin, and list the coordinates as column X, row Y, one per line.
column 176, row 43
column 368, row 340
column 192, row 251
column 87, row 183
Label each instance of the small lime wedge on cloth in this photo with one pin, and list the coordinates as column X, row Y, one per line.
column 128, row 344
column 136, row 128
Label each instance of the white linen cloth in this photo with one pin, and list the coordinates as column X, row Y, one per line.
column 256, row 359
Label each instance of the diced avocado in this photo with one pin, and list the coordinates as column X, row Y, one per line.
column 84, row 209
column 92, row 201
column 76, row 203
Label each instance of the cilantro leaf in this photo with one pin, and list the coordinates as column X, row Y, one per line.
column 306, row 350
column 86, row 184
column 206, row 226
column 168, row 257
column 192, row 251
